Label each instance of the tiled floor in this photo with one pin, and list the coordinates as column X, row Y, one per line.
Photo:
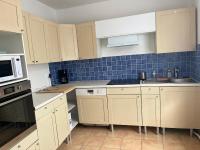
column 127, row 138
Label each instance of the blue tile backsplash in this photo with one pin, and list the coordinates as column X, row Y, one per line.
column 128, row 67
column 195, row 64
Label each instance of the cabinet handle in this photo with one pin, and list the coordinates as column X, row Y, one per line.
column 37, row 144
column 138, row 96
column 19, row 146
column 45, row 107
column 36, row 61
column 161, row 89
column 56, row 110
column 149, row 89
column 122, row 89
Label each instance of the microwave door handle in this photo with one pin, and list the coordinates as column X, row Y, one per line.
column 14, row 99
column 13, row 67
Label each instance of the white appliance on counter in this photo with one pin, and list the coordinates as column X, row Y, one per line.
column 10, row 68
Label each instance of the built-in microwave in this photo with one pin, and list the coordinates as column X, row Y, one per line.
column 10, row 68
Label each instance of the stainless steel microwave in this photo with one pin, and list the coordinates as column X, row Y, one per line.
column 10, row 68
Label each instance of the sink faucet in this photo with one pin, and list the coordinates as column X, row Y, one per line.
column 176, row 72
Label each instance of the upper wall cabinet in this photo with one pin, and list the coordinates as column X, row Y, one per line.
column 86, row 37
column 27, row 39
column 11, row 16
column 136, row 24
column 52, row 42
column 38, row 39
column 176, row 30
column 68, row 42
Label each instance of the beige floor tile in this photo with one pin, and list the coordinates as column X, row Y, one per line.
column 152, row 135
column 131, row 145
column 69, row 147
column 95, row 141
column 79, row 140
column 90, row 148
column 174, row 146
column 111, row 142
column 172, row 138
column 193, row 147
column 152, row 145
column 104, row 148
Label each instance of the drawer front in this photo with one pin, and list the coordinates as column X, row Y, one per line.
column 59, row 101
column 43, row 111
column 150, row 90
column 27, row 141
column 122, row 90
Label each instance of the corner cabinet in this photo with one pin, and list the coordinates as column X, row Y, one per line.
column 11, row 16
column 176, row 30
column 86, row 36
column 52, row 124
column 68, row 42
column 178, row 107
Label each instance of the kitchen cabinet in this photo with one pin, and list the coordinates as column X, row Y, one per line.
column 27, row 39
column 52, row 124
column 11, row 16
column 124, row 109
column 35, row 146
column 26, row 140
column 68, row 42
column 38, row 41
column 92, row 109
column 150, row 106
column 176, row 30
column 86, row 37
column 178, row 107
column 52, row 42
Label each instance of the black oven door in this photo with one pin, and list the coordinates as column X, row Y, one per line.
column 16, row 115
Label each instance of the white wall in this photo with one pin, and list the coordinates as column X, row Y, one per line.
column 198, row 20
column 116, row 8
column 39, row 9
column 38, row 74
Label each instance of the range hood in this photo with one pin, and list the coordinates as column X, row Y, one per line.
column 125, row 40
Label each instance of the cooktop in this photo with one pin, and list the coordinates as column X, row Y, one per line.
column 123, row 82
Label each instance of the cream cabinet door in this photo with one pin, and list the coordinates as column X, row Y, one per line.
column 38, row 39
column 62, row 124
column 47, row 132
column 68, row 42
column 86, row 36
column 11, row 16
column 176, row 30
column 151, row 110
column 35, row 146
column 178, row 107
column 27, row 40
column 52, row 42
column 92, row 109
column 124, row 109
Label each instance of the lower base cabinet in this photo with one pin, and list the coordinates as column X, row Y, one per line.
column 124, row 109
column 52, row 124
column 35, row 146
column 178, row 107
column 151, row 110
column 92, row 109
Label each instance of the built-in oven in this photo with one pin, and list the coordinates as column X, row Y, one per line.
column 16, row 110
column 10, row 68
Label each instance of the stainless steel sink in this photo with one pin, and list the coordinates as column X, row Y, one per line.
column 173, row 80
column 182, row 80
column 155, row 81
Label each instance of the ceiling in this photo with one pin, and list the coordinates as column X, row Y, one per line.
column 61, row 4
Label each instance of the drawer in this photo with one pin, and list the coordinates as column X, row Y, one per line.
column 122, row 90
column 59, row 101
column 150, row 90
column 27, row 141
column 44, row 111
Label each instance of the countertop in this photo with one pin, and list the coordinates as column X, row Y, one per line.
column 49, row 94
column 41, row 99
